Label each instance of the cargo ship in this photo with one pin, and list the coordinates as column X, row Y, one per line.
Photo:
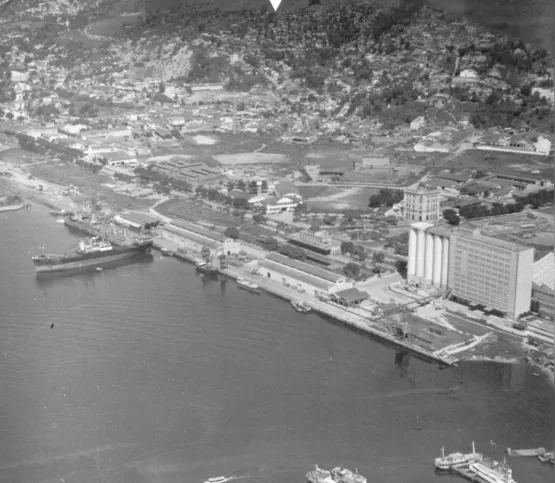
column 456, row 460
column 336, row 475
column 92, row 253
column 206, row 268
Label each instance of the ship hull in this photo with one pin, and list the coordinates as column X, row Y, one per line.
column 93, row 263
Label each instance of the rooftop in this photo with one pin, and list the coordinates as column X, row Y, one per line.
column 293, row 273
column 202, row 240
column 352, row 295
column 544, row 271
column 137, row 218
column 322, row 274
column 212, row 235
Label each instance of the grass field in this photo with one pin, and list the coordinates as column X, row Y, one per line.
column 324, row 198
column 89, row 184
column 188, row 211
column 114, row 27
column 497, row 161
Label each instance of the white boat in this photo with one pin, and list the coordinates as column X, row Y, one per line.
column 300, row 306
column 217, row 479
column 492, row 471
column 456, row 460
column 243, row 282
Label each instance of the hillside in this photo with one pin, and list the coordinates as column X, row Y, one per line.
column 364, row 66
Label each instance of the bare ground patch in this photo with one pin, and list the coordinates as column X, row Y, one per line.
column 251, row 158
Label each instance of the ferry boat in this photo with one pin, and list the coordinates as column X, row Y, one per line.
column 456, row 460
column 244, row 283
column 492, row 471
column 301, row 306
column 336, row 475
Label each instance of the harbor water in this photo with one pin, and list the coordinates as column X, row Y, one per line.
column 152, row 373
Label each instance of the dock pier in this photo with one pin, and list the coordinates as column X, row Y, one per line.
column 349, row 319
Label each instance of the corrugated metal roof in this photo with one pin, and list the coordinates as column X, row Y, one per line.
column 302, row 277
column 192, row 236
column 305, row 267
column 213, row 235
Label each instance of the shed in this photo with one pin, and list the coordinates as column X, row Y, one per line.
column 349, row 297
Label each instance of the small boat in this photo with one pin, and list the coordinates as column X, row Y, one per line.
column 546, row 457
column 61, row 213
column 536, row 374
column 244, row 283
column 166, row 252
column 456, row 460
column 217, row 479
column 301, row 306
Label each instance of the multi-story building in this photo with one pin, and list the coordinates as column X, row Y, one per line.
column 489, row 271
column 317, row 241
column 421, row 204
column 474, row 267
column 543, row 287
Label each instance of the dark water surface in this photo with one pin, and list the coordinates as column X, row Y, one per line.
column 151, row 375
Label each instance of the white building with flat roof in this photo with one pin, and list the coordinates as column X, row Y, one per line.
column 489, row 271
column 476, row 268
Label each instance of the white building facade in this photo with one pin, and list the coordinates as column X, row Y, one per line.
column 428, row 263
column 420, row 204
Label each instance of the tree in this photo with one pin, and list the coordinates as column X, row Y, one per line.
column 259, row 218
column 232, row 232
column 351, row 270
column 401, row 266
column 378, row 257
column 347, row 247
column 270, row 244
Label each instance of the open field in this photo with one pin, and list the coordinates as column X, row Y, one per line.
column 186, row 210
column 340, row 199
column 497, row 161
column 113, row 27
column 251, row 158
column 89, row 184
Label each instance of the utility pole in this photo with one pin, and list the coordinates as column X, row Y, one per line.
column 234, row 116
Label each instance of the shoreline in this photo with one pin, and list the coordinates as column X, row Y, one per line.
column 338, row 314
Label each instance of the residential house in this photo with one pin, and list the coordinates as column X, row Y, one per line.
column 417, row 123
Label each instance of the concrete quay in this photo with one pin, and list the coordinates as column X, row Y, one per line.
column 339, row 314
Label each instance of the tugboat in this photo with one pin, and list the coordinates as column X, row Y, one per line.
column 456, row 460
column 244, row 283
column 336, row 475
column 301, row 306
column 206, row 268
